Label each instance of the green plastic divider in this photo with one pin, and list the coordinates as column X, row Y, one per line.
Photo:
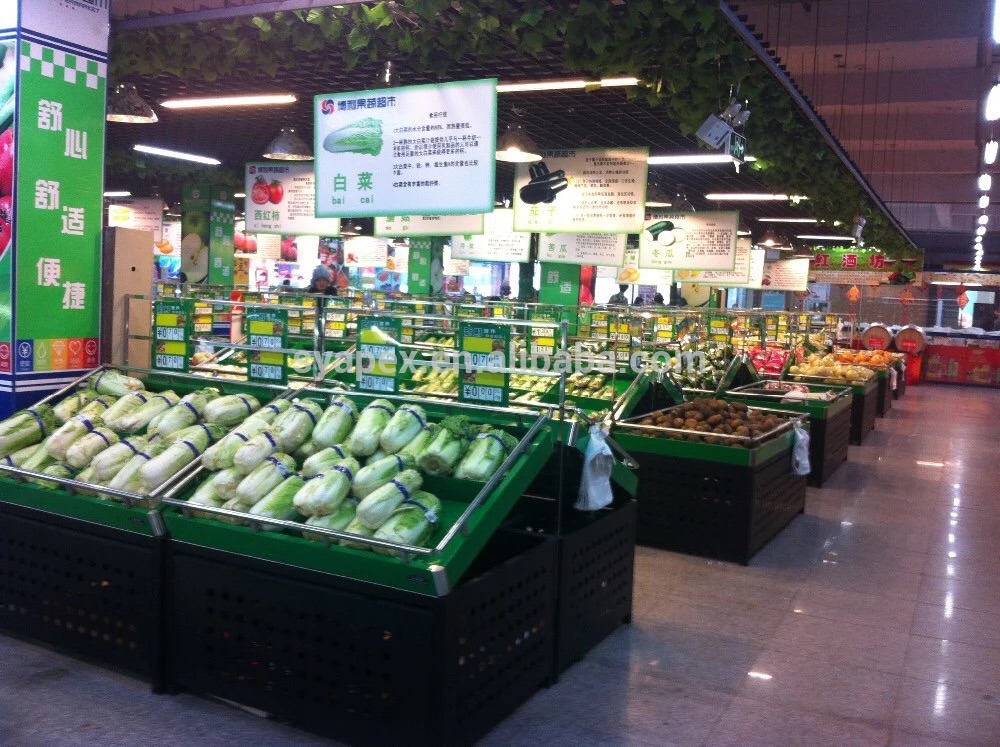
column 737, row 455
column 84, row 507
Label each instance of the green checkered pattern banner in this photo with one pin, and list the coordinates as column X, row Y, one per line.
column 53, row 63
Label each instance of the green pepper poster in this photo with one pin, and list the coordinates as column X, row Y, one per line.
column 56, row 250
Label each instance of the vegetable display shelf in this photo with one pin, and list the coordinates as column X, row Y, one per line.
column 83, row 576
column 470, row 513
column 596, row 555
column 712, row 500
column 884, row 395
column 829, row 422
column 363, row 662
column 864, row 406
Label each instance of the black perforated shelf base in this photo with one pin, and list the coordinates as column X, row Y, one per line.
column 864, row 410
column 363, row 663
column 716, row 510
column 829, row 440
column 84, row 589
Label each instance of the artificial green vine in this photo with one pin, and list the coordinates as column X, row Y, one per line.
column 684, row 50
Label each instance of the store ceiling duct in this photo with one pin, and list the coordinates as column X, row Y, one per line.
column 126, row 105
column 288, row 146
column 516, row 146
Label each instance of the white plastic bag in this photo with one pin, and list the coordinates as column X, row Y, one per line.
column 800, row 450
column 595, row 483
column 893, row 379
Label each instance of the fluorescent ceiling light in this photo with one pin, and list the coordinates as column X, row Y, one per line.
column 788, row 220
column 984, row 201
column 689, row 159
column 121, row 193
column 216, row 101
column 176, row 154
column 992, row 110
column 239, row 194
column 743, row 233
column 996, row 22
column 990, row 152
column 985, row 182
column 978, row 239
column 981, row 231
column 753, row 197
column 818, row 237
column 984, row 219
column 564, row 85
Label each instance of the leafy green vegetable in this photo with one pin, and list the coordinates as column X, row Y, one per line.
column 362, row 136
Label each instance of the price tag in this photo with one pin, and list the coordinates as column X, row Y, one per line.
column 483, row 347
column 380, row 358
column 171, row 334
column 267, row 333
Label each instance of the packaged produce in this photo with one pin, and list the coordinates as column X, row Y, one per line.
column 220, row 454
column 230, row 409
column 377, row 505
column 252, row 453
column 410, row 524
column 294, row 427
column 324, row 493
column 277, row 504
column 139, row 418
column 72, row 403
column 338, row 520
column 108, row 462
column 324, row 459
column 186, row 412
column 122, row 406
column 74, row 428
column 336, row 422
column 403, row 426
column 375, row 475
column 488, row 450
column 421, row 440
column 114, row 382
column 26, row 427
column 364, row 438
column 272, row 471
column 443, row 454
column 177, row 455
column 84, row 449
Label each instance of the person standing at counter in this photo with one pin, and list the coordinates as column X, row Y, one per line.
column 996, row 319
column 321, row 282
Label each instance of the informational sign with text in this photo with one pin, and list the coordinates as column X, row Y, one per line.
column 415, row 150
column 601, row 249
column 787, row 275
column 281, row 198
column 429, row 225
column 689, row 241
column 497, row 243
column 583, row 190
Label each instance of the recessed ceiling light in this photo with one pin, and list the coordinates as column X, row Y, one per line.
column 176, row 154
column 985, row 182
column 978, row 239
column 984, row 201
column 981, row 231
column 217, row 101
column 992, row 110
column 984, row 219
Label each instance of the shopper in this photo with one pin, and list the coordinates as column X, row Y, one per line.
column 620, row 297
column 637, row 301
column 658, row 299
column 321, row 282
column 996, row 319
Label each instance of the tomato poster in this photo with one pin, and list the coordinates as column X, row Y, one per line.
column 281, row 198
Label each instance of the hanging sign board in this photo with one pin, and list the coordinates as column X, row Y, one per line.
column 415, row 150
column 484, row 348
column 738, row 276
column 630, row 273
column 452, row 267
column 497, row 243
column 380, row 356
column 429, row 225
column 365, row 251
column 267, row 332
column 689, row 241
column 142, row 215
column 585, row 190
column 171, row 334
column 601, row 249
column 281, row 198
column 787, row 275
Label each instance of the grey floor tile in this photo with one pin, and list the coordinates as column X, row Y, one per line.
column 948, row 622
column 981, row 595
column 752, row 722
column 945, row 712
column 953, row 663
column 850, row 606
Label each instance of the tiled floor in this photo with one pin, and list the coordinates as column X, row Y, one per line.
column 874, row 619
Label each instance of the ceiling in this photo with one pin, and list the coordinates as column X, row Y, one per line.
column 920, row 156
column 901, row 86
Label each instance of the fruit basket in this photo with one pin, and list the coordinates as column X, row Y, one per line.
column 722, row 495
column 829, row 411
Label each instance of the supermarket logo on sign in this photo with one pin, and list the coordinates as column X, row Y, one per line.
column 328, row 106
